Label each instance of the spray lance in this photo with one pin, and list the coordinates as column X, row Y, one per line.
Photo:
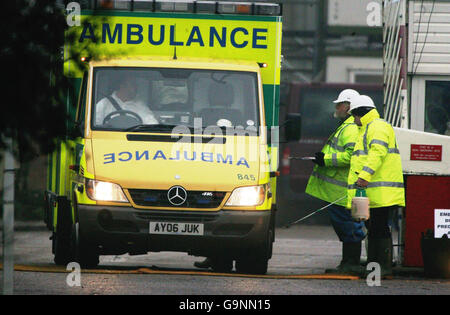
column 360, row 208
column 310, row 158
column 360, row 203
column 317, row 211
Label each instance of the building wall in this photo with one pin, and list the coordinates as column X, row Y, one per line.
column 429, row 37
column 350, row 12
column 346, row 68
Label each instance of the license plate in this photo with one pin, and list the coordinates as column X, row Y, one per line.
column 176, row 228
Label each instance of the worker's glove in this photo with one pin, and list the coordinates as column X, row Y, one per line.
column 361, row 183
column 319, row 158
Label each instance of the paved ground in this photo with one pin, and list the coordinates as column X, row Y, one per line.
column 299, row 250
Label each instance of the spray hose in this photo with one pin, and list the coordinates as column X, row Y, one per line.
column 318, row 210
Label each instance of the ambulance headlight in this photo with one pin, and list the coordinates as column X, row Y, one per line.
column 247, row 196
column 104, row 191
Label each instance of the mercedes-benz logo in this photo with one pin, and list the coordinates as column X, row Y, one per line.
column 177, row 195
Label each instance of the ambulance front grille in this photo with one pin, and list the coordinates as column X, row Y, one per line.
column 159, row 198
column 176, row 216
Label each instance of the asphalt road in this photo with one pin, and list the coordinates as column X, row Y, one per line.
column 298, row 251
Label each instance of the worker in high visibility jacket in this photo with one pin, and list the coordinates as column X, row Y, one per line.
column 328, row 182
column 376, row 166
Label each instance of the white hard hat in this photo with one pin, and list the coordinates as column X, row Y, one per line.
column 361, row 101
column 346, row 96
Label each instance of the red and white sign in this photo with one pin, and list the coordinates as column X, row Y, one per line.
column 441, row 222
column 426, row 152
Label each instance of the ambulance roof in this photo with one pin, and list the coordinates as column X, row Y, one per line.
column 179, row 62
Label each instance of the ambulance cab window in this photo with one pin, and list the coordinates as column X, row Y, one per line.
column 226, row 99
column 122, row 98
column 159, row 99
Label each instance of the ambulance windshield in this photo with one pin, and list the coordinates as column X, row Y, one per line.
column 151, row 99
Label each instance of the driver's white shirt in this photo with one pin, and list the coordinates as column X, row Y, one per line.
column 104, row 107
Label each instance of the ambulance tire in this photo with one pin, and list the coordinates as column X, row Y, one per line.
column 221, row 264
column 257, row 261
column 61, row 237
column 252, row 265
column 62, row 255
column 84, row 253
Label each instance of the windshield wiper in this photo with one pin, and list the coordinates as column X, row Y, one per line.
column 238, row 131
column 158, row 127
column 166, row 127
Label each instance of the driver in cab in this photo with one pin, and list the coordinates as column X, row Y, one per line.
column 124, row 99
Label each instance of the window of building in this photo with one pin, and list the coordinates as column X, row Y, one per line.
column 437, row 107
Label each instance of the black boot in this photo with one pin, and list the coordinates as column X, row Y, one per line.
column 343, row 261
column 205, row 264
column 380, row 251
column 350, row 264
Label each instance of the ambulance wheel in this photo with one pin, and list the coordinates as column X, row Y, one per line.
column 84, row 253
column 257, row 260
column 61, row 236
column 252, row 265
column 61, row 249
column 221, row 264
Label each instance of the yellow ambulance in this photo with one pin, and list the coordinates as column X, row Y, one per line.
column 170, row 150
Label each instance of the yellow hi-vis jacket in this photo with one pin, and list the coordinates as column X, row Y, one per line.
column 329, row 182
column 376, row 159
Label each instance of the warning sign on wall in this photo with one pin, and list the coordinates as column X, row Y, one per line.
column 426, row 152
column 441, row 222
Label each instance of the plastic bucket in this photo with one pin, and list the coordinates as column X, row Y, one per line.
column 436, row 256
column 360, row 209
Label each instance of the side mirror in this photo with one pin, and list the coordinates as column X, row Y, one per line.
column 293, row 127
column 76, row 131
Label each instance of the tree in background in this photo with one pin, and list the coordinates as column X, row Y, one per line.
column 36, row 96
column 34, row 88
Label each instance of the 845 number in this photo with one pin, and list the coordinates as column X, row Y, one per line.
column 246, row 177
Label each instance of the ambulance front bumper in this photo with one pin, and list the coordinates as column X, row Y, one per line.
column 120, row 230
